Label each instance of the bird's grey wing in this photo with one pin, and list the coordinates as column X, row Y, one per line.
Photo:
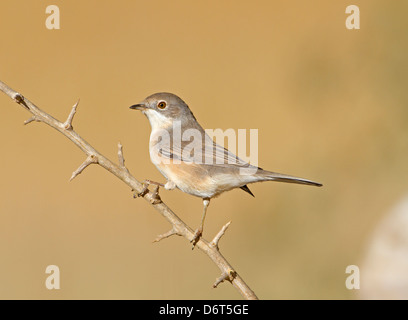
column 202, row 151
column 223, row 157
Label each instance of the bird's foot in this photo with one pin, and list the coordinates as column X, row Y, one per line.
column 156, row 197
column 141, row 193
column 197, row 235
column 145, row 190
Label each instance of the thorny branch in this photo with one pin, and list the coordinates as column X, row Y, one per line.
column 94, row 157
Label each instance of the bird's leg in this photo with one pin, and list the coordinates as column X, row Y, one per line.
column 145, row 189
column 199, row 231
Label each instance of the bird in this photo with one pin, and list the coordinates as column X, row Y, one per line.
column 201, row 167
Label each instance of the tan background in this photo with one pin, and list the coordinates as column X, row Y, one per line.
column 330, row 105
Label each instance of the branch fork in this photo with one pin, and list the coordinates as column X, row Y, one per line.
column 33, row 118
column 121, row 158
column 230, row 275
column 68, row 123
column 168, row 234
column 216, row 240
column 88, row 161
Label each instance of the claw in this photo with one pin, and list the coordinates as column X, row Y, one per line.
column 197, row 235
column 142, row 193
column 145, row 190
column 156, row 196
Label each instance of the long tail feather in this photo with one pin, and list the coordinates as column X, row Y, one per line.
column 273, row 176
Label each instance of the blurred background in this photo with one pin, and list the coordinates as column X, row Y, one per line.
column 330, row 105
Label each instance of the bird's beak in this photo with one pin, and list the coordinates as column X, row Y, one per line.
column 139, row 106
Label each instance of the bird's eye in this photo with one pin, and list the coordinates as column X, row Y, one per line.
column 161, row 105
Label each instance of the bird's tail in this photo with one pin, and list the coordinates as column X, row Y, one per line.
column 273, row 176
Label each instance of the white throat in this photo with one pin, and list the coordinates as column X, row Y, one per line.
column 157, row 120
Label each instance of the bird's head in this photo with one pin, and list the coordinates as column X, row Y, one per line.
column 163, row 108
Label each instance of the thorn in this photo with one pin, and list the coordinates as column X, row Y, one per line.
column 90, row 160
column 121, row 158
column 196, row 237
column 229, row 276
column 68, row 123
column 170, row 233
column 216, row 240
column 33, row 118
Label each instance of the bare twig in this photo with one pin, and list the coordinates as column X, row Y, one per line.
column 93, row 156
column 88, row 161
column 170, row 233
column 229, row 275
column 121, row 158
column 68, row 122
column 33, row 118
column 217, row 238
